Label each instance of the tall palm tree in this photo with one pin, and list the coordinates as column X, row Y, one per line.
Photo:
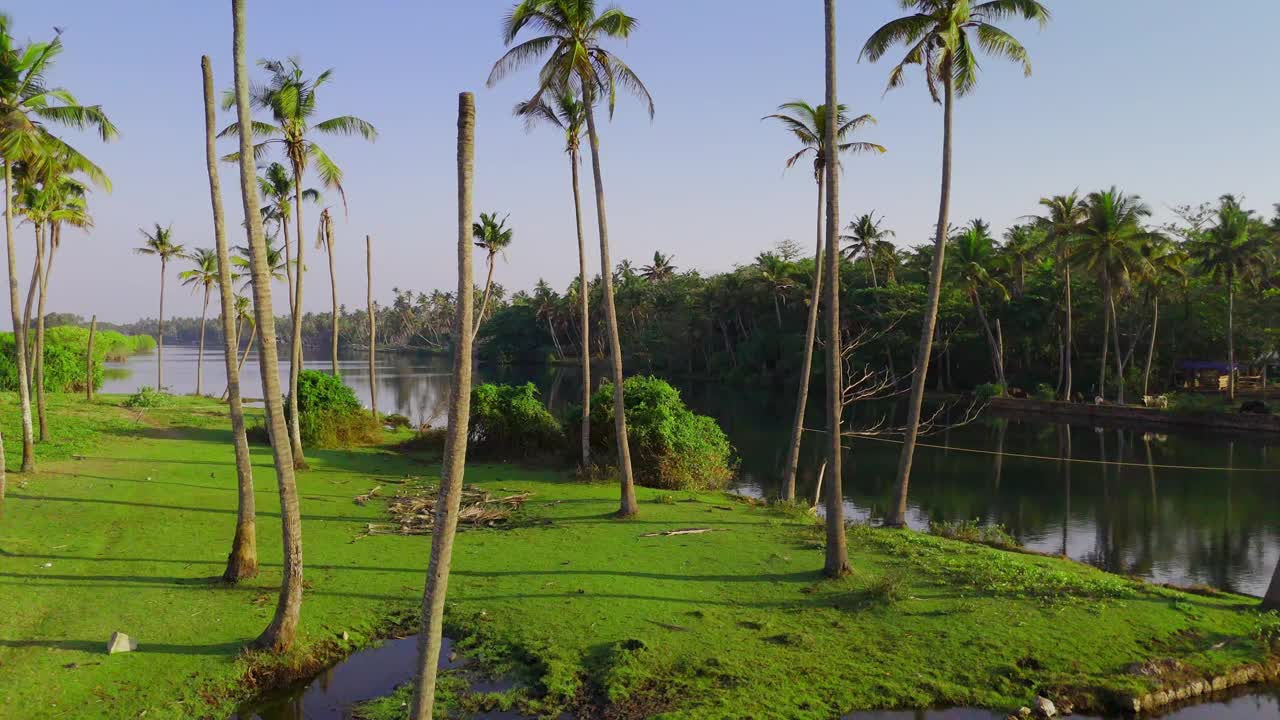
column 159, row 243
column 973, row 258
column 865, row 238
column 242, row 561
column 204, row 276
column 373, row 327
column 494, row 237
column 455, row 448
column 566, row 111
column 290, row 97
column 1019, row 251
column 275, row 185
column 1227, row 252
column 1165, row 266
column 940, row 37
column 280, row 633
column 571, row 33
column 1110, row 245
column 660, row 270
column 27, row 106
column 324, row 241
column 1064, row 216
column 808, row 124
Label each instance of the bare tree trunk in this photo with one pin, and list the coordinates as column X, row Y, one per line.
column 1106, row 337
column 242, row 561
column 288, row 264
column 295, row 344
column 1231, row 336
column 280, row 634
column 160, row 330
column 253, row 335
column 88, row 361
column 373, row 328
column 584, row 309
column 333, row 290
column 898, row 512
column 806, row 365
column 1151, row 348
column 204, row 316
column 837, row 552
column 1067, row 359
column 19, row 333
column 1271, row 601
column 455, row 452
column 627, row 506
column 29, row 307
column 991, row 340
column 39, row 354
column 1115, row 334
column 484, row 303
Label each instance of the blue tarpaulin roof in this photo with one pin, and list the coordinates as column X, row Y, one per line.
column 1219, row 365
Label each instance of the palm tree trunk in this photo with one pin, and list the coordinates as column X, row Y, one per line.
column 242, row 561
column 584, row 309
column 160, row 324
column 295, row 345
column 1151, row 347
column 1115, row 335
column 29, row 308
column 88, row 363
column 1106, row 336
column 1066, row 360
column 373, row 328
column 991, row 338
column 1271, row 601
column 455, row 452
column 253, row 335
column 837, row 551
column 898, row 512
column 333, row 289
column 806, row 365
column 288, row 265
column 627, row 506
column 39, row 352
column 1231, row 336
column 204, row 316
column 484, row 303
column 279, row 635
column 19, row 333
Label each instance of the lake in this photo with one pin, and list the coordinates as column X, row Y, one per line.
column 1185, row 508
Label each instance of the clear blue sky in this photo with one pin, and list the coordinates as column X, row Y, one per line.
column 1170, row 99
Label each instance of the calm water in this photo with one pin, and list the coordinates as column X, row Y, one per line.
column 1182, row 508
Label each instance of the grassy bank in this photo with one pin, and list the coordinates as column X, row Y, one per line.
column 127, row 530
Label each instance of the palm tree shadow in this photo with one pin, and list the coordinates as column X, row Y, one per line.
column 99, row 647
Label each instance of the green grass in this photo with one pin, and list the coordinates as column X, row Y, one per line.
column 578, row 607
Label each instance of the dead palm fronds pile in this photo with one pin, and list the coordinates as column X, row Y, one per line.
column 413, row 512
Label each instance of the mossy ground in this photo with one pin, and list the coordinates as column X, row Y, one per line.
column 128, row 522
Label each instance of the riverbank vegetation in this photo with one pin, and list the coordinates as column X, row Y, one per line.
column 580, row 611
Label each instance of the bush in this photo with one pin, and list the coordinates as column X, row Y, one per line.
column 510, row 421
column 64, row 351
column 971, row 531
column 329, row 415
column 1193, row 404
column 987, row 391
column 671, row 447
column 148, row 397
column 1044, row 391
column 396, row 421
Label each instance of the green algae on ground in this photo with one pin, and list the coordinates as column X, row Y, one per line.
column 580, row 609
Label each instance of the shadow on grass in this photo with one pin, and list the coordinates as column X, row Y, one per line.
column 100, row 646
column 181, row 508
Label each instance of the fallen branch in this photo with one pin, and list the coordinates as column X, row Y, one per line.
column 682, row 531
column 365, row 498
column 414, row 514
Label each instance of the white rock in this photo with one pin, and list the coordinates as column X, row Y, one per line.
column 121, row 643
column 1045, row 708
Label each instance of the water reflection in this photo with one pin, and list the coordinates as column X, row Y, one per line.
column 1129, row 502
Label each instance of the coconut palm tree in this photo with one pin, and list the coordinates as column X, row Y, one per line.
column 242, row 561
column 1064, row 217
column 280, row 633
column 973, row 258
column 290, row 97
column 455, row 448
column 1227, row 252
column 570, row 37
column 566, row 111
column 159, row 243
column 1165, row 266
column 28, row 105
column 940, row 37
column 1019, row 251
column 1110, row 245
column 661, row 270
column 808, row 124
column 371, row 311
column 494, row 237
column 275, row 185
column 324, row 241
column 201, row 277
column 866, row 238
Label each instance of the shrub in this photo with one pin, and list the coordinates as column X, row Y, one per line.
column 329, row 415
column 396, row 421
column 1044, row 391
column 510, row 421
column 429, row 439
column 64, row 351
column 1193, row 404
column 972, row 532
column 148, row 397
column 671, row 447
column 987, row 391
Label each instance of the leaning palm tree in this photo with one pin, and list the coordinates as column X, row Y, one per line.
column 324, row 241
column 27, row 105
column 275, row 185
column 1062, row 221
column 1226, row 253
column 940, row 37
column 1110, row 245
column 566, row 112
column 660, row 270
column 973, row 258
column 201, row 277
column 808, row 124
column 865, row 238
column 570, row 37
column 242, row 561
column 159, row 243
column 290, row 97
column 280, row 633
column 494, row 237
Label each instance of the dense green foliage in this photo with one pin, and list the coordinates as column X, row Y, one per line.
column 329, row 414
column 671, row 446
column 510, row 421
column 148, row 397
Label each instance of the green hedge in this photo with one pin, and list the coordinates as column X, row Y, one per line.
column 671, row 446
column 510, row 421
